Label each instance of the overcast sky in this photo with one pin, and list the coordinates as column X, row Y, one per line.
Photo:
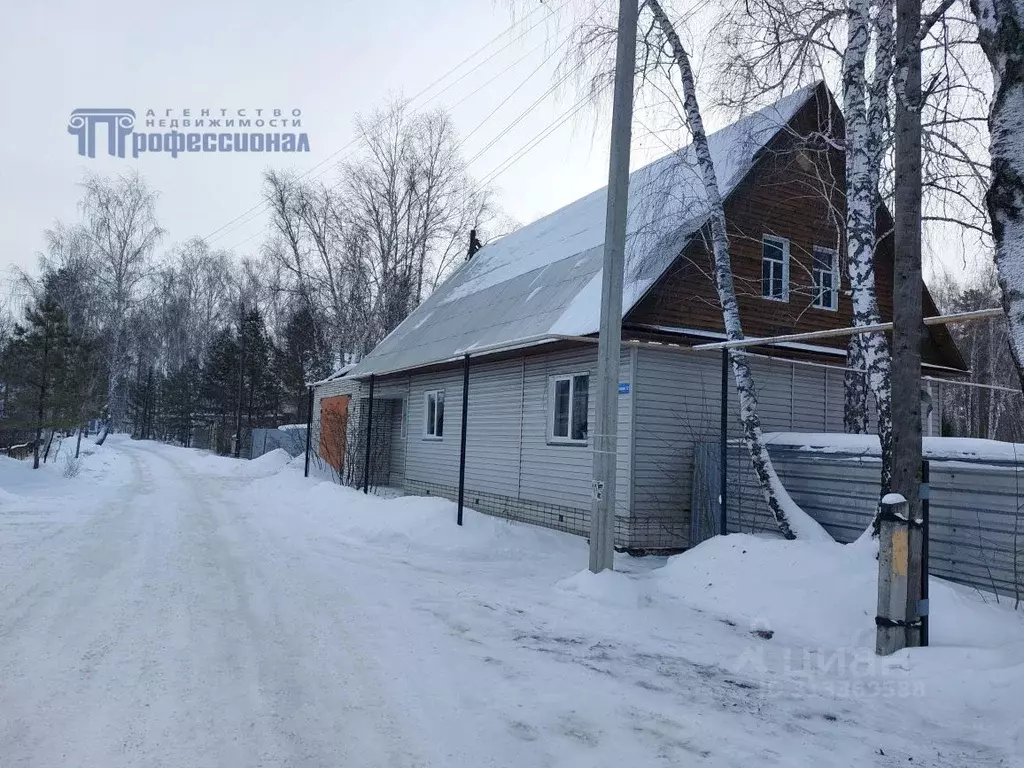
column 332, row 60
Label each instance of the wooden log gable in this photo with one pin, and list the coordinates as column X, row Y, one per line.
column 795, row 192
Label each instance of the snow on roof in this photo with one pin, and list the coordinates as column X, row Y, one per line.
column 545, row 278
column 341, row 372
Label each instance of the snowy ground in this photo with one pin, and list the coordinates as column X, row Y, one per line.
column 170, row 608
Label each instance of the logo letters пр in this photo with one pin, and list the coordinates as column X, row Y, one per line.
column 119, row 122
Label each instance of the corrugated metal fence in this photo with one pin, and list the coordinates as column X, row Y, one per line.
column 976, row 535
column 263, row 441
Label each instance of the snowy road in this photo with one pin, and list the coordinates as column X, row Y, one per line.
column 194, row 611
column 171, row 631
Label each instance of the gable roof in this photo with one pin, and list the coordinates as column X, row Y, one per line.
column 545, row 278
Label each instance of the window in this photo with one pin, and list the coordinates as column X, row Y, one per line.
column 825, row 273
column 775, row 268
column 433, row 414
column 570, row 399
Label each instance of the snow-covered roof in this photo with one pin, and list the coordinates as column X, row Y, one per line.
column 545, row 278
column 338, row 374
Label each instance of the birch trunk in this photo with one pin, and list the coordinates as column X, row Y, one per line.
column 792, row 521
column 855, row 387
column 1000, row 34
column 864, row 149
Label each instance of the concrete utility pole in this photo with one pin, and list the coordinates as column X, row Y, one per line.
column 907, row 319
column 898, row 623
column 606, row 405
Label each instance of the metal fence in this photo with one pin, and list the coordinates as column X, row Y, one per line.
column 975, row 506
column 292, row 440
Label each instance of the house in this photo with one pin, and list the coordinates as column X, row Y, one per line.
column 521, row 316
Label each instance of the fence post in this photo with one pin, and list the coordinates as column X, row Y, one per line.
column 723, row 470
column 369, row 433
column 899, row 573
column 926, row 491
column 309, row 428
column 462, row 445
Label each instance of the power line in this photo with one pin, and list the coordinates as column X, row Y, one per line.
column 260, row 206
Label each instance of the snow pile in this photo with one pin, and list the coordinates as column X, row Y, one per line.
column 411, row 522
column 25, row 487
column 821, row 594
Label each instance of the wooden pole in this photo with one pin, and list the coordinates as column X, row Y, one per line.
column 907, row 280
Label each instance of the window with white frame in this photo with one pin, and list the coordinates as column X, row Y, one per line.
column 825, row 274
column 570, row 400
column 433, row 414
column 775, row 268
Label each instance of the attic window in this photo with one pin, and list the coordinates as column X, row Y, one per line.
column 825, row 273
column 775, row 268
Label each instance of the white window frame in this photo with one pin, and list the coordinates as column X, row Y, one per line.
column 784, row 244
column 552, row 438
column 833, row 304
column 427, row 426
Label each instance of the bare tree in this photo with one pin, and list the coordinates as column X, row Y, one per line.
column 363, row 252
column 792, row 521
column 772, row 45
column 120, row 219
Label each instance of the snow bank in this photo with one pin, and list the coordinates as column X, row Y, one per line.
column 408, row 521
column 820, row 594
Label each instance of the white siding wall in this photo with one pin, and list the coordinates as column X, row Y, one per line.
column 562, row 474
column 677, row 401
column 428, row 460
column 507, row 450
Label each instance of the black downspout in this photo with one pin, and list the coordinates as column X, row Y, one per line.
column 369, row 432
column 723, row 471
column 309, row 428
column 462, row 447
column 926, row 488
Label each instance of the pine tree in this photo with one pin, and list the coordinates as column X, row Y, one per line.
column 38, row 366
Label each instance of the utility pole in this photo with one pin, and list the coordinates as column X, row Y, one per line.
column 908, row 325
column 606, row 406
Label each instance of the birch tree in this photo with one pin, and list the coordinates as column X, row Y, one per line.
column 1001, row 35
column 777, row 44
column 864, row 148
column 792, row 521
column 120, row 219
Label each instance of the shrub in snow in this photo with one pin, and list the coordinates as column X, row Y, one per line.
column 72, row 465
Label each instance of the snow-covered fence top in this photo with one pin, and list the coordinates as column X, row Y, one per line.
column 976, row 503
column 290, row 437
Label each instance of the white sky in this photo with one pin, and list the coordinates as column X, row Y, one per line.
column 332, row 60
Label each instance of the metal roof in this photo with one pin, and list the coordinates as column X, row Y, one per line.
column 545, row 278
